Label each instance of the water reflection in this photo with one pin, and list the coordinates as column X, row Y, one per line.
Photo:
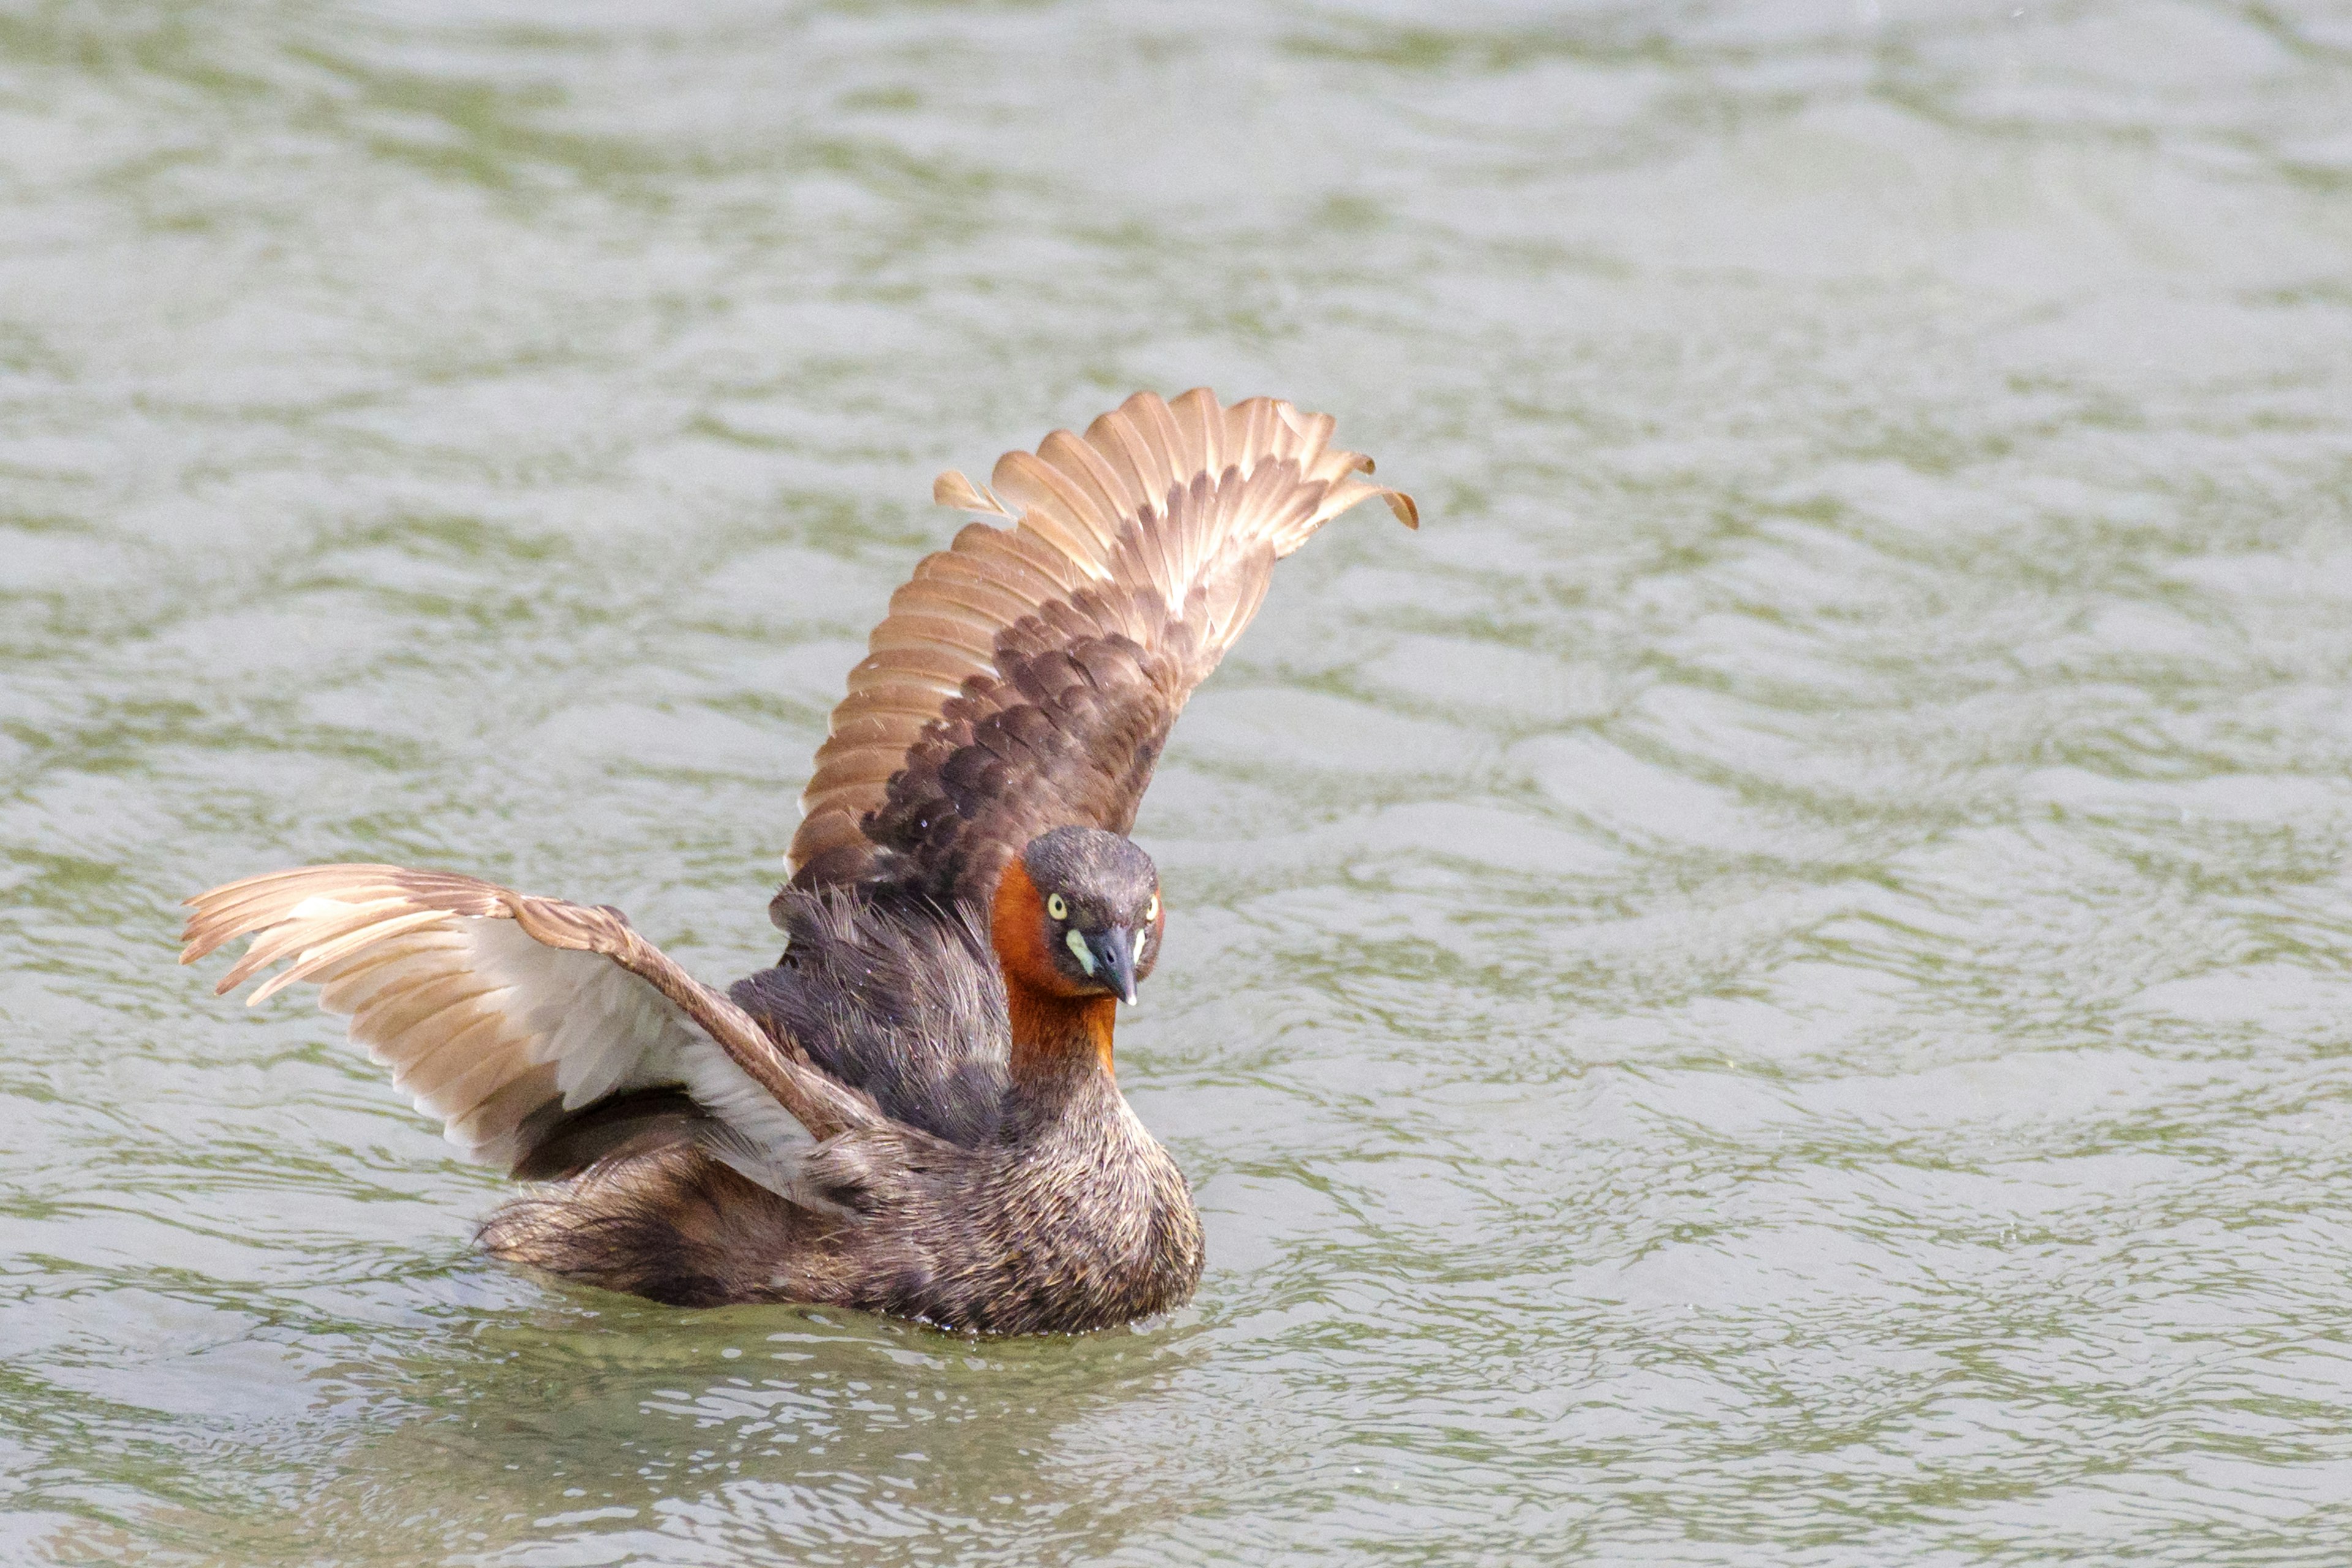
column 594, row 1421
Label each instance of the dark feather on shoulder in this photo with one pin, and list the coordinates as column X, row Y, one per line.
column 896, row 995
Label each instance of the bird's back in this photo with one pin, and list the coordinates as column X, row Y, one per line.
column 892, row 993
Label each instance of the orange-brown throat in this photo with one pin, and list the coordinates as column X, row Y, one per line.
column 1055, row 1024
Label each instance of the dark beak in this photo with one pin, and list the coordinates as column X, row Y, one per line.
column 1115, row 949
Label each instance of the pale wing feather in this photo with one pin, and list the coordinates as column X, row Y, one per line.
column 488, row 1029
column 1134, row 521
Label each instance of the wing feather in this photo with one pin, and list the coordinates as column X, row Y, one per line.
column 1057, row 515
column 496, row 1012
column 951, row 489
column 1203, row 421
column 1134, row 558
column 1088, row 472
column 1118, row 443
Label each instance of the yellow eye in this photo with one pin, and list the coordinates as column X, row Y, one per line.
column 1057, row 907
column 1153, row 912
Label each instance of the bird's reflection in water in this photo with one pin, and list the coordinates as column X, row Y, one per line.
column 784, row 1425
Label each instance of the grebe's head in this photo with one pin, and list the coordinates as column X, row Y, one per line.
column 1091, row 902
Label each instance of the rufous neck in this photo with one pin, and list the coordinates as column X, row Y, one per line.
column 1055, row 1037
column 1060, row 1032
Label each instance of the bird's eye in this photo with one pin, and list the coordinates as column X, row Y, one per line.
column 1153, row 912
column 1057, row 906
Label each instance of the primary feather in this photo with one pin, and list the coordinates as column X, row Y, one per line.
column 1027, row 675
column 458, row 987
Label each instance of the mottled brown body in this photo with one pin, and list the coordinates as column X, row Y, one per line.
column 1081, row 1223
column 1059, row 1213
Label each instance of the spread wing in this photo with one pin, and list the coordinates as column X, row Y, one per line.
column 1026, row 677
column 501, row 1014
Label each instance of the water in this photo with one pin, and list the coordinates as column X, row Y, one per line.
column 1772, row 989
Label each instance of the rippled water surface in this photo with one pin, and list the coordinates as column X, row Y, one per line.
column 1774, row 987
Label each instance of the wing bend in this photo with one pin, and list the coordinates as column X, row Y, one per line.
column 497, row 1012
column 1026, row 677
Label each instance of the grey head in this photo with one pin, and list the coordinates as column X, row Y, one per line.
column 1101, row 898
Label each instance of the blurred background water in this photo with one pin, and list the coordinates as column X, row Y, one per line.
column 1774, row 987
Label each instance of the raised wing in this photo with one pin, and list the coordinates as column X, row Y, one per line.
column 1026, row 677
column 501, row 1014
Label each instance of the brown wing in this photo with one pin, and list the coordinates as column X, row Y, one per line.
column 1026, row 677
column 498, row 1012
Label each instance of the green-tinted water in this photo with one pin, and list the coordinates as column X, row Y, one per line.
column 1772, row 989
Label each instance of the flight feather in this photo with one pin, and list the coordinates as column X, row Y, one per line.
column 498, row 1012
column 1026, row 676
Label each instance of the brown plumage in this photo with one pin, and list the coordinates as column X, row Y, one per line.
column 914, row 1111
column 1028, row 675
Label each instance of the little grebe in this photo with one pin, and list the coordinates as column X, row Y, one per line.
column 913, row 1112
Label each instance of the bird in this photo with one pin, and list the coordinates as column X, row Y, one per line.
column 913, row 1112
